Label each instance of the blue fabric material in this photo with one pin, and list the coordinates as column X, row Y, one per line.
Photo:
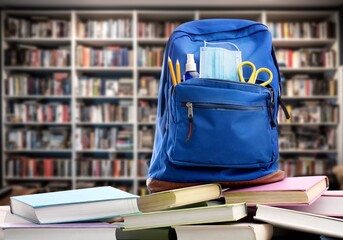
column 232, row 136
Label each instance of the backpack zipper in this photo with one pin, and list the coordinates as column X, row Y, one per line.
column 271, row 107
column 190, row 115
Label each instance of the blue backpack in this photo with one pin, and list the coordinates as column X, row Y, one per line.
column 234, row 135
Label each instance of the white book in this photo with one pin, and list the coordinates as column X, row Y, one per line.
column 11, row 90
column 74, row 205
column 66, row 167
column 109, row 89
column 78, row 138
column 246, row 231
column 300, row 221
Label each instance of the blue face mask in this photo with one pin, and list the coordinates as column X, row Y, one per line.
column 219, row 63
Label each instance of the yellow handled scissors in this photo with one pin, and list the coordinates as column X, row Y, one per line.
column 254, row 73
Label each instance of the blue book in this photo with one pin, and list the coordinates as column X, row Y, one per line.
column 74, row 205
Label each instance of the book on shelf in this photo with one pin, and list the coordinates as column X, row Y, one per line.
column 74, row 205
column 142, row 166
column 29, row 56
column 154, row 29
column 330, row 203
column 289, row 191
column 36, row 27
column 110, row 87
column 35, row 111
column 303, row 30
column 302, row 85
column 150, row 56
column 52, row 138
column 105, row 168
column 124, row 140
column 306, row 57
column 301, row 221
column 115, row 138
column 125, row 87
column 311, row 112
column 105, row 112
column 59, row 84
column 109, row 28
column 178, row 197
column 302, row 166
column 147, row 111
column 246, row 231
column 307, row 138
column 148, row 86
column 114, row 56
column 166, row 218
column 22, row 167
column 146, row 137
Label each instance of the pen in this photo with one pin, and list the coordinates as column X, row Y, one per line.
column 178, row 71
column 172, row 73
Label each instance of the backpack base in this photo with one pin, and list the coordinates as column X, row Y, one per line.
column 155, row 185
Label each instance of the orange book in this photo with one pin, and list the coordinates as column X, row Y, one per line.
column 86, row 57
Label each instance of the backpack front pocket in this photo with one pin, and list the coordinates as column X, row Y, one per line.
column 215, row 131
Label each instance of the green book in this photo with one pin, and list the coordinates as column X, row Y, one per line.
column 198, row 215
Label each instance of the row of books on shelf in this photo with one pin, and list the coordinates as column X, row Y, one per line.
column 120, row 138
column 304, row 86
column 146, row 137
column 34, row 111
column 105, row 112
column 36, row 27
column 109, row 28
column 307, row 138
column 24, row 55
column 200, row 212
column 311, row 112
column 156, row 29
column 303, row 166
column 22, row 167
column 305, row 29
column 111, row 56
column 58, row 84
column 142, row 166
column 306, row 57
column 94, row 86
column 150, row 56
column 51, row 138
column 147, row 111
column 44, row 26
column 148, row 86
column 105, row 168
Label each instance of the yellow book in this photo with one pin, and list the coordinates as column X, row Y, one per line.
column 178, row 197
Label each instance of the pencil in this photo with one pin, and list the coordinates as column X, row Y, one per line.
column 172, row 73
column 178, row 72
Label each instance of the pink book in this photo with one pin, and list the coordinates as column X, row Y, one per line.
column 330, row 203
column 292, row 191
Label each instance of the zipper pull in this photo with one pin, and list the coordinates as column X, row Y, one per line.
column 271, row 107
column 284, row 108
column 189, row 105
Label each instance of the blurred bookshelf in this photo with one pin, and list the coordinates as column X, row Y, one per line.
column 80, row 88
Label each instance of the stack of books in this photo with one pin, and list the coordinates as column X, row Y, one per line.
column 196, row 212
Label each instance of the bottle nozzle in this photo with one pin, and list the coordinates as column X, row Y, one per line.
column 190, row 65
